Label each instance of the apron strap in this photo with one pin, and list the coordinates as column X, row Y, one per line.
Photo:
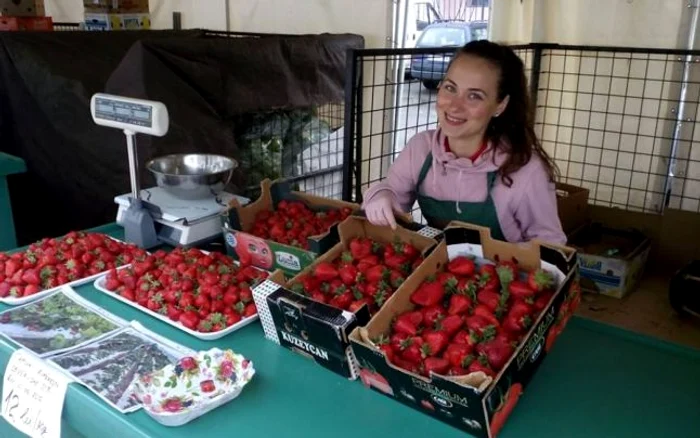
column 427, row 164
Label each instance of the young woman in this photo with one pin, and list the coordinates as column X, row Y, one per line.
column 483, row 164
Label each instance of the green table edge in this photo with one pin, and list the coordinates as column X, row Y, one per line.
column 10, row 165
column 80, row 400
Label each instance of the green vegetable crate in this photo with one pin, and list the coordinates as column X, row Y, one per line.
column 270, row 255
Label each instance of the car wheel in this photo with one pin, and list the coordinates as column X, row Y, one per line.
column 431, row 85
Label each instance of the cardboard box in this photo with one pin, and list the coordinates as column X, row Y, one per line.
column 572, row 204
column 611, row 261
column 22, row 8
column 270, row 255
column 112, row 22
column 473, row 402
column 116, row 6
column 317, row 330
column 26, row 24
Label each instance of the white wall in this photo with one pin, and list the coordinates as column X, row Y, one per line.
column 634, row 23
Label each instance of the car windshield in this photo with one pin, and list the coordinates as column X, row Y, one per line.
column 441, row 37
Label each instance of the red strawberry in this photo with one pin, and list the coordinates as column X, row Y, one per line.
column 396, row 279
column 520, row 290
column 31, row 276
column 435, row 365
column 408, row 323
column 360, row 248
column 358, row 304
column 411, row 350
column 398, row 262
column 128, row 294
column 434, row 342
column 31, row 289
column 496, row 352
column 348, row 274
column 539, row 280
column 450, row 324
column 4, row 289
column 173, row 312
column 367, row 262
column 462, row 266
column 542, row 301
column 490, row 299
column 518, row 318
column 377, row 273
column 325, row 271
column 429, row 293
column 478, row 365
column 459, row 304
column 432, row 314
column 481, row 327
column 232, row 318
column 457, row 353
column 487, row 314
column 245, row 294
column 190, row 319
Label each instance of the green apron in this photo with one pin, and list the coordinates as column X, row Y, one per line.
column 440, row 213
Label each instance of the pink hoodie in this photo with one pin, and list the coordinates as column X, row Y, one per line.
column 527, row 210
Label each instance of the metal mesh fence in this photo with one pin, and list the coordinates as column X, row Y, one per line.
column 618, row 121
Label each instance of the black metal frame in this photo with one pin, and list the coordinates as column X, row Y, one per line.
column 626, row 173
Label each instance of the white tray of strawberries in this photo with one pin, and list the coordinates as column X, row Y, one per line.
column 77, row 258
column 467, row 318
column 207, row 295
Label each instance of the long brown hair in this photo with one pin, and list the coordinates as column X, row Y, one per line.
column 513, row 130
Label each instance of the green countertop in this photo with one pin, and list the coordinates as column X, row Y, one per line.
column 598, row 381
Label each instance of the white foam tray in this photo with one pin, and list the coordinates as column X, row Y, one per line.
column 99, row 285
column 11, row 301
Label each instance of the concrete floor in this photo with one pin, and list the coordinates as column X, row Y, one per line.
column 646, row 310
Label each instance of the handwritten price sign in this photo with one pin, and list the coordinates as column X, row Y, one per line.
column 32, row 395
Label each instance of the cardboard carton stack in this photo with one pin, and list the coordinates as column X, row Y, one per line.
column 117, row 15
column 24, row 15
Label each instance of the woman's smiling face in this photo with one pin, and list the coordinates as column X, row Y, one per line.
column 468, row 97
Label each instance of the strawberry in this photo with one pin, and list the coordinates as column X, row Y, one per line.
column 358, row 304
column 348, row 274
column 398, row 262
column 481, row 365
column 411, row 350
column 360, row 248
column 408, row 323
column 429, row 293
column 4, row 289
column 462, row 266
column 128, row 294
column 31, row 276
column 435, row 365
column 173, row 312
column 434, row 342
column 325, row 271
column 539, row 280
column 190, row 319
column 518, row 318
column 487, row 314
column 11, row 267
column 396, row 279
column 542, row 301
column 245, row 294
column 457, row 353
column 480, row 328
column 450, row 324
column 497, row 352
column 520, row 290
column 459, row 304
column 377, row 273
column 31, row 289
column 232, row 318
column 432, row 314
column 342, row 300
column 490, row 299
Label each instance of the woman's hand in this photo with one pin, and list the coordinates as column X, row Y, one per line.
column 380, row 210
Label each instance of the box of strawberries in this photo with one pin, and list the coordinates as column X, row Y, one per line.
column 314, row 312
column 464, row 334
column 283, row 229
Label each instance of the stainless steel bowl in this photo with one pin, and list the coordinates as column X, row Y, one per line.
column 192, row 176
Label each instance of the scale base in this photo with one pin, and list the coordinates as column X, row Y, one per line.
column 139, row 227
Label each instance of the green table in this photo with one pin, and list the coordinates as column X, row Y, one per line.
column 599, row 381
column 9, row 165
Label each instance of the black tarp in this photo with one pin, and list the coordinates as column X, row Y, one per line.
column 75, row 168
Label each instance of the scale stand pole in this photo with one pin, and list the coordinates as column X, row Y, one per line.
column 139, row 227
column 133, row 164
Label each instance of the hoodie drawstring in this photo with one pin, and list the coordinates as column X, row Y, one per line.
column 459, row 192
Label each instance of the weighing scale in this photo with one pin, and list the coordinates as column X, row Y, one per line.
column 154, row 216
